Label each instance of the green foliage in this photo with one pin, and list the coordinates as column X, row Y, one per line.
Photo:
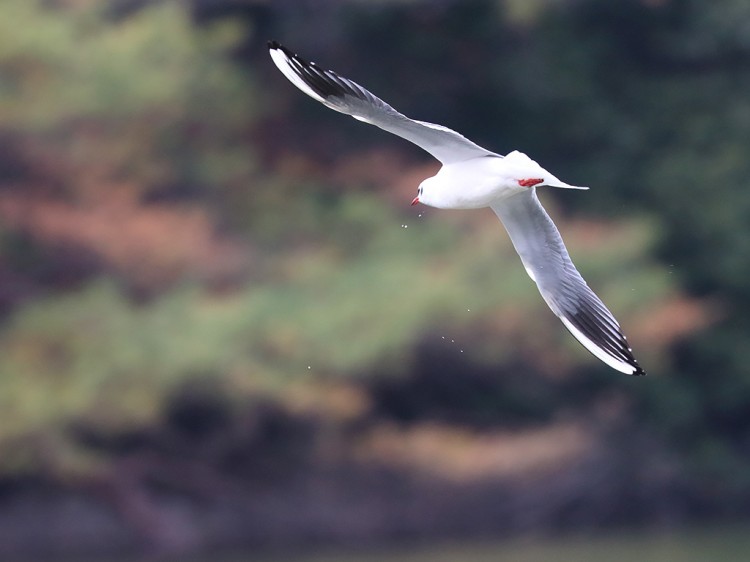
column 152, row 96
column 320, row 309
column 663, row 91
column 63, row 64
column 646, row 100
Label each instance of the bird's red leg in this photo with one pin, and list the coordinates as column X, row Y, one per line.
column 530, row 182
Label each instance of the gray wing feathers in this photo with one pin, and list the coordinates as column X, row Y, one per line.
column 348, row 97
column 547, row 262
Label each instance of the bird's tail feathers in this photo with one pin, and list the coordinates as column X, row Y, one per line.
column 563, row 185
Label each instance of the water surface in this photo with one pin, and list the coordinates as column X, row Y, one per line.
column 685, row 546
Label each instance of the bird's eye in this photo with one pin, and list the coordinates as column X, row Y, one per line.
column 419, row 191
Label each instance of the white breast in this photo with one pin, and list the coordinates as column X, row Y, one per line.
column 471, row 184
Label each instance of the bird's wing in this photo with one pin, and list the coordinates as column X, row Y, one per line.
column 547, row 262
column 348, row 97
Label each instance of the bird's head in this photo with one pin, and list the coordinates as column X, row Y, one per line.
column 426, row 193
column 418, row 198
column 439, row 193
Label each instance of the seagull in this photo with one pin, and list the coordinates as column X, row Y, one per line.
column 472, row 177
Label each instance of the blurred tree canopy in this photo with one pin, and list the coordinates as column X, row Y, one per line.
column 151, row 96
column 172, row 211
column 647, row 101
column 677, row 118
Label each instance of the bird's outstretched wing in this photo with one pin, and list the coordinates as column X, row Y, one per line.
column 348, row 97
column 547, row 262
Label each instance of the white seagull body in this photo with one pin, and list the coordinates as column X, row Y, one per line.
column 472, row 177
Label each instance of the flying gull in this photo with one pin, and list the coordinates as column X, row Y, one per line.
column 472, row 177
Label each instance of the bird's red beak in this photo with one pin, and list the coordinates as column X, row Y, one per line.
column 415, row 201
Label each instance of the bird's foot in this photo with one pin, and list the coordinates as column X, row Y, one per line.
column 530, row 182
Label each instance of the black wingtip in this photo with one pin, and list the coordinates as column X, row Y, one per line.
column 639, row 372
column 324, row 83
column 275, row 45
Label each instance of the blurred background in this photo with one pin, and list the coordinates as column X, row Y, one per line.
column 224, row 329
